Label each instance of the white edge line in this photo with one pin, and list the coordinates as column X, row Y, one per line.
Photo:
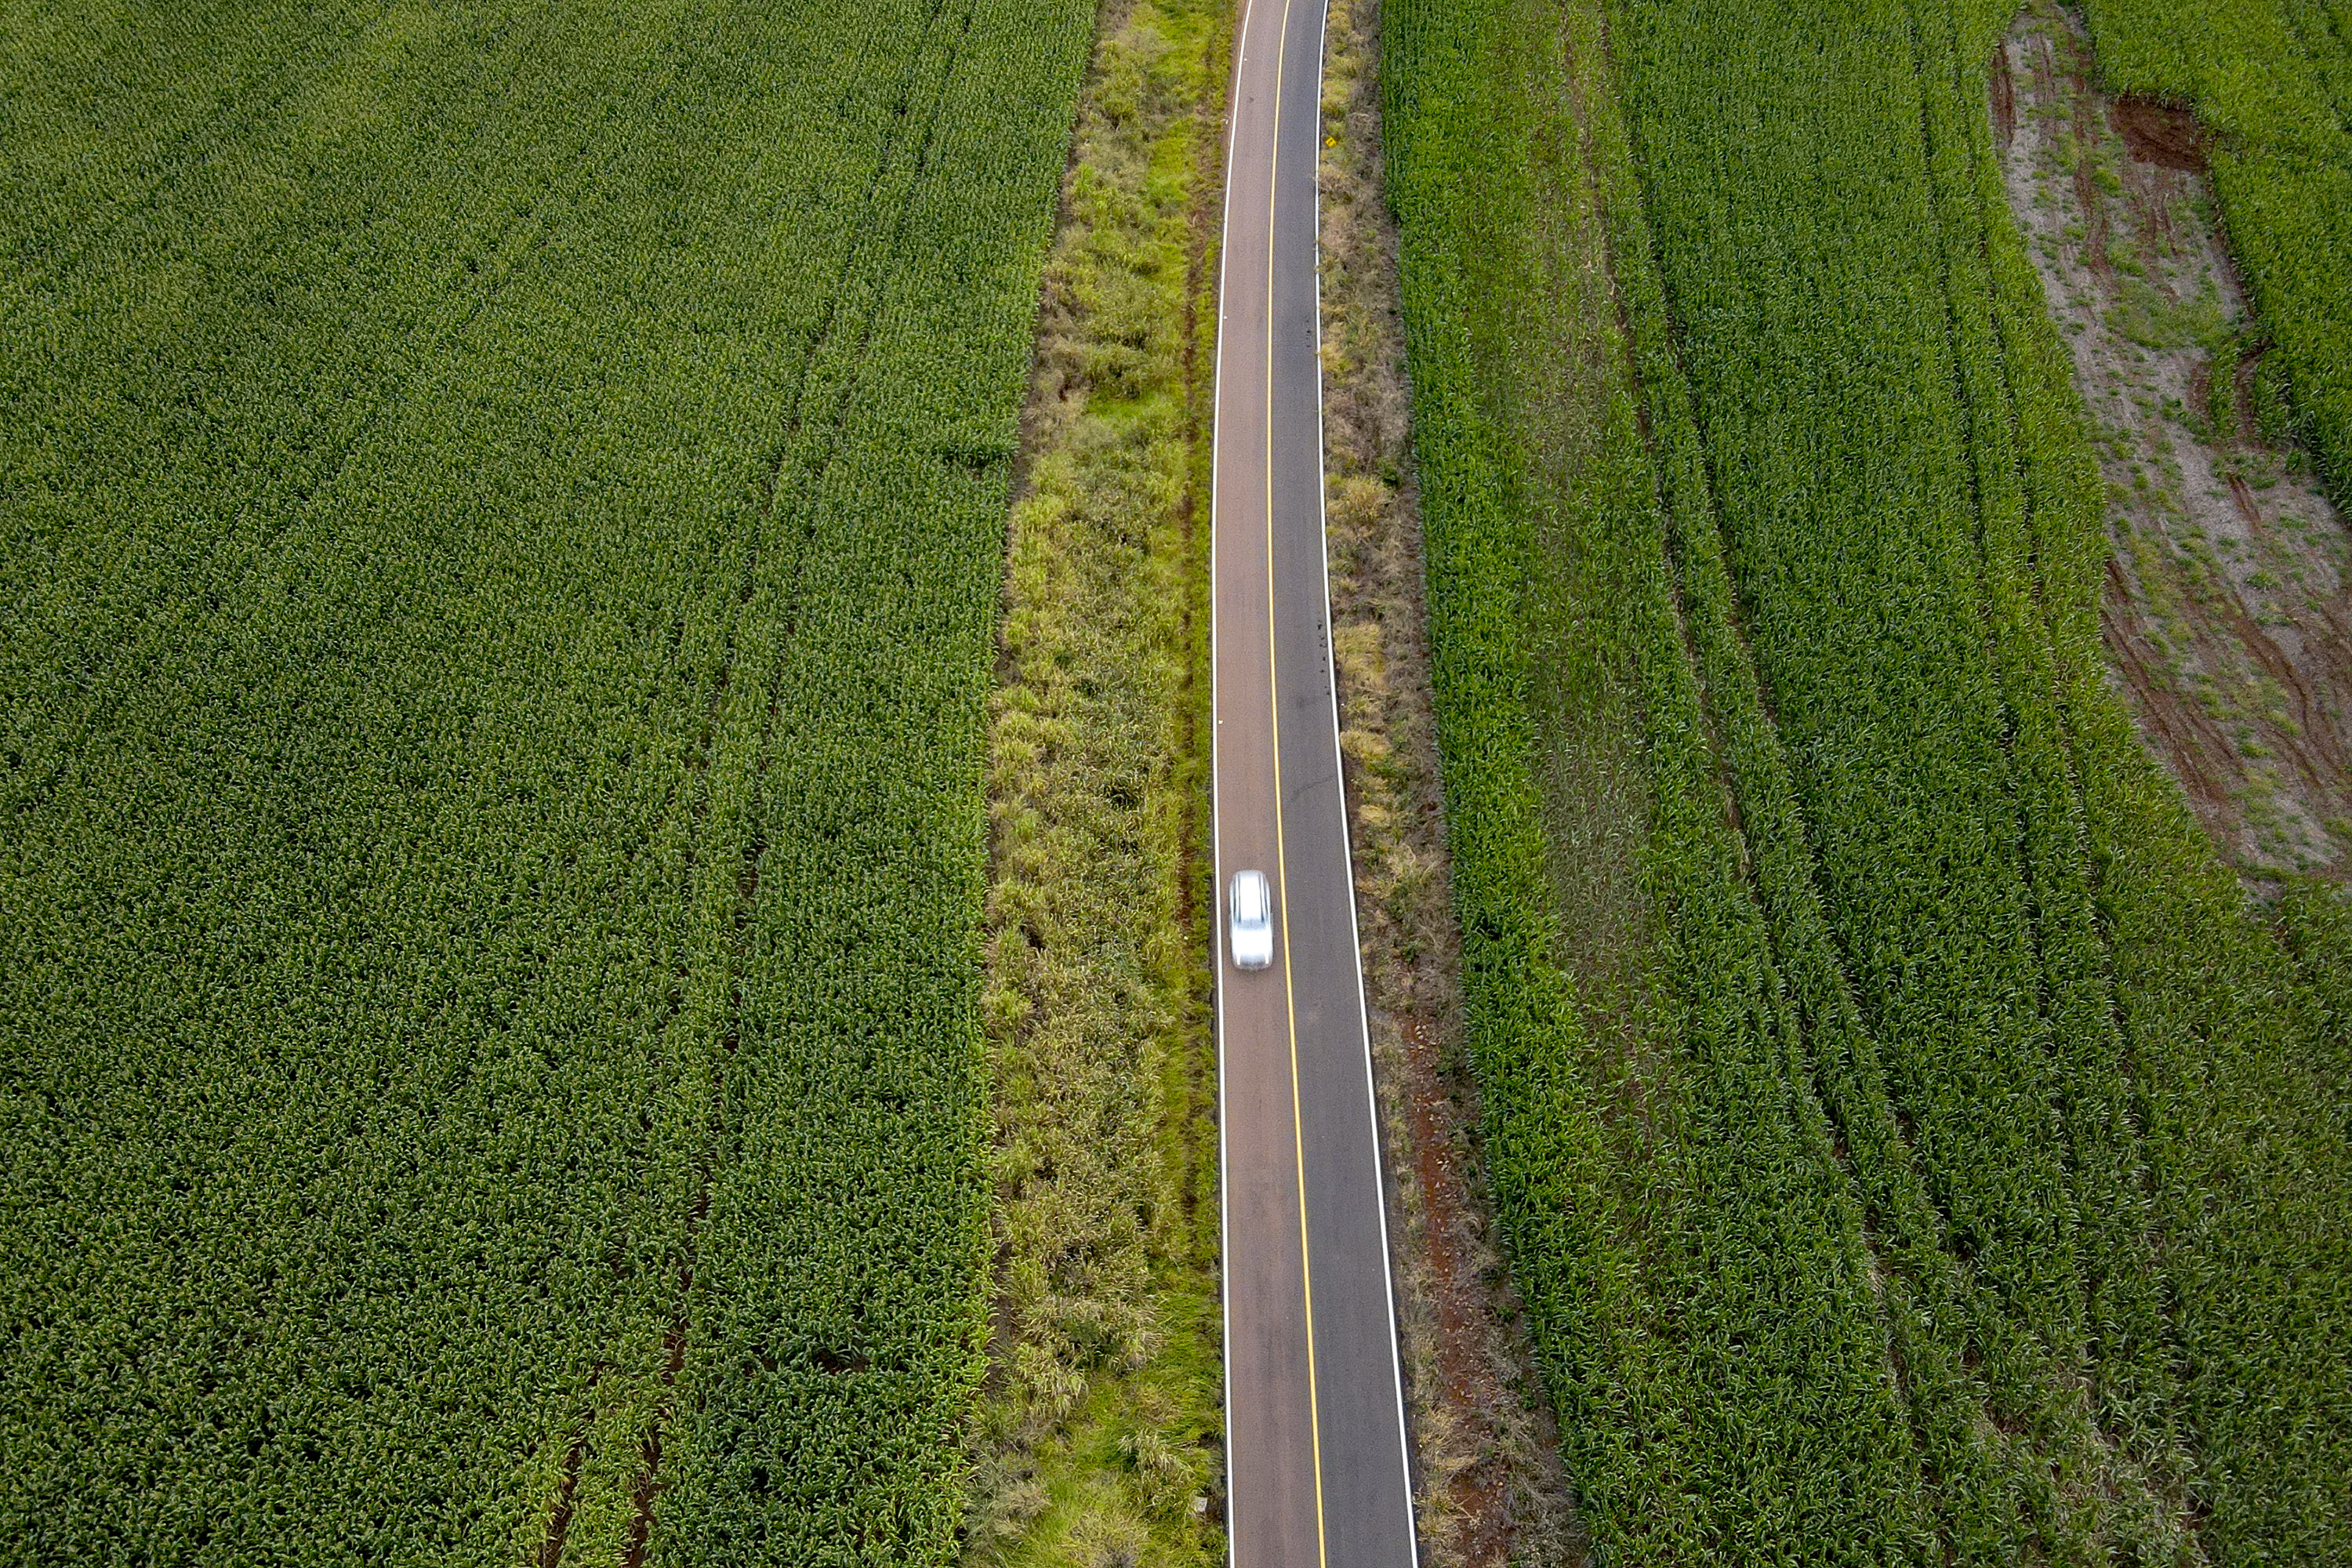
column 1347, row 848
column 1216, row 801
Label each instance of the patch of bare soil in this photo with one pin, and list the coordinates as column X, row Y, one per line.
column 1489, row 1489
column 2227, row 614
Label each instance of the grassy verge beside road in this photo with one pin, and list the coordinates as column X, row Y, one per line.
column 1099, row 1438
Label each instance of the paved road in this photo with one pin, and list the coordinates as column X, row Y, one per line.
column 1315, row 1424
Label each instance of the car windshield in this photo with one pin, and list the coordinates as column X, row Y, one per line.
column 1249, row 898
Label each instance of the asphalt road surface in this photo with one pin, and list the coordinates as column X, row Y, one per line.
column 1313, row 1417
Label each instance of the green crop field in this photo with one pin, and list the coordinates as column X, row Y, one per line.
column 2270, row 80
column 1911, row 1143
column 502, row 512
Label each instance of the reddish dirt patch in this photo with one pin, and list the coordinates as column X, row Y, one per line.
column 1479, row 1495
column 2157, row 132
column 2004, row 98
column 2197, row 747
column 2228, row 595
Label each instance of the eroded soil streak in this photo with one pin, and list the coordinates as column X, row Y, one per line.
column 2226, row 612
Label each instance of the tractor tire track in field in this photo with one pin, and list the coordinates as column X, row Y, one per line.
column 801, row 501
column 1939, row 1318
column 1992, row 484
column 2102, row 1310
column 551, row 1551
column 646, row 1487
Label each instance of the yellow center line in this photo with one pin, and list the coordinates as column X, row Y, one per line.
column 1281, row 865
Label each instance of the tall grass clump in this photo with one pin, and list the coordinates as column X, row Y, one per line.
column 1098, row 1432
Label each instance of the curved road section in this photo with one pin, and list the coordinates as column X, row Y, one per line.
column 1314, row 1413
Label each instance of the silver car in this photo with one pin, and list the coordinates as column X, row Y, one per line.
column 1253, row 927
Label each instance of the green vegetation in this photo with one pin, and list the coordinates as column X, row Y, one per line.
column 1098, row 1438
column 2271, row 81
column 500, row 514
column 1911, row 1144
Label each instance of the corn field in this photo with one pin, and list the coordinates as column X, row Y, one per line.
column 502, row 512
column 1912, row 1144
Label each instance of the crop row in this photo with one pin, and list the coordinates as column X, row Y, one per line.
column 1693, row 1262
column 502, row 512
column 1795, row 526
